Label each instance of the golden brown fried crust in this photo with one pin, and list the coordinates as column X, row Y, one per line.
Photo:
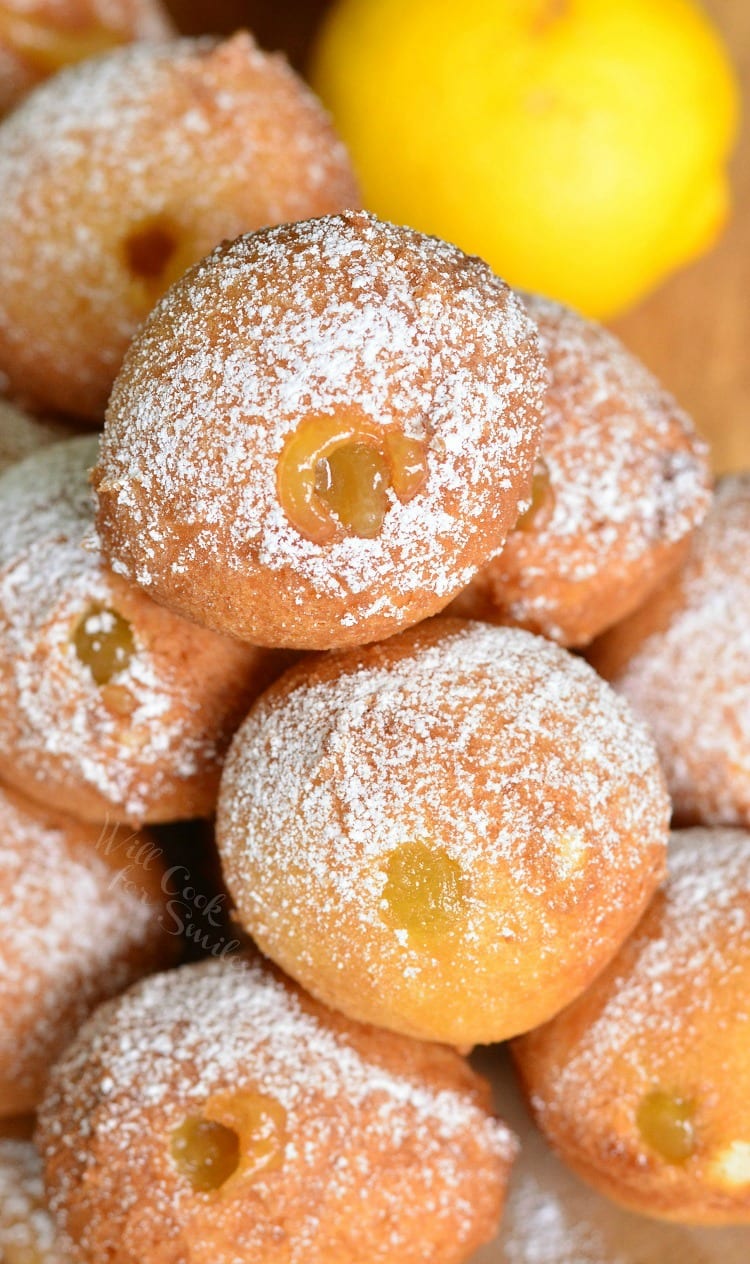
column 83, row 905
column 137, row 164
column 146, row 745
column 212, row 680
column 38, row 38
column 628, row 482
column 389, row 1153
column 337, row 318
column 668, row 1016
column 493, row 749
column 681, row 662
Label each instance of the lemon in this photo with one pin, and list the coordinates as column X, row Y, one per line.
column 579, row 146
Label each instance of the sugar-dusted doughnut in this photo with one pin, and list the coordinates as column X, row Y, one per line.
column 553, row 1217
column 21, row 434
column 683, row 662
column 643, row 1084
column 303, row 445
column 621, row 483
column 82, row 915
column 110, row 706
column 135, row 165
column 27, row 1231
column 448, row 834
column 281, row 1134
column 39, row 37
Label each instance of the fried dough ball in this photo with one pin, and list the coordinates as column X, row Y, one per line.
column 21, row 434
column 643, row 1084
column 82, row 917
column 622, row 481
column 302, row 446
column 448, row 834
column 27, row 1232
column 683, row 662
column 282, row 1134
column 121, row 173
column 110, row 706
column 552, row 1217
column 40, row 37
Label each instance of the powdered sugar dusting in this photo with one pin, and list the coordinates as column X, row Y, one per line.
column 631, row 470
column 627, row 471
column 691, row 679
column 648, row 1006
column 336, row 314
column 72, row 932
column 219, row 138
column 489, row 743
column 52, row 709
column 552, row 1217
column 671, row 1015
column 164, row 1049
column 27, row 1232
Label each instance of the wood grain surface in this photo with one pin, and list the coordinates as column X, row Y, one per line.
column 695, row 331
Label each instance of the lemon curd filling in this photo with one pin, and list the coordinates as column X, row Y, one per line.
column 104, row 643
column 239, row 1135
column 353, row 482
column 155, row 253
column 205, row 1152
column 542, row 500
column 423, row 890
column 666, row 1122
column 338, row 475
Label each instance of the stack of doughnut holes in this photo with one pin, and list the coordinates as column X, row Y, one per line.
column 374, row 687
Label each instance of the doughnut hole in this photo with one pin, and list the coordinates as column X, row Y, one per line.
column 389, row 1149
column 206, row 1153
column 339, row 475
column 624, row 481
column 642, row 1084
column 423, row 892
column 237, row 1136
column 666, row 1122
column 200, row 117
column 104, row 643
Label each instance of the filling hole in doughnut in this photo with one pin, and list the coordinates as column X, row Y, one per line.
column 47, row 48
column 238, row 1135
column 666, row 1122
column 541, row 499
column 342, row 474
column 423, row 891
column 205, row 1152
column 149, row 250
column 353, row 481
column 103, row 642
